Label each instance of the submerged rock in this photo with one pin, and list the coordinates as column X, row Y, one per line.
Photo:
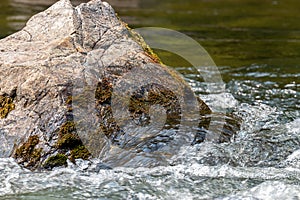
column 69, row 77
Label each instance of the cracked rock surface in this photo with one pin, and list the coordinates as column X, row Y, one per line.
column 46, row 71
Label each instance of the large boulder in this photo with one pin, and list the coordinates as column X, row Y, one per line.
column 78, row 83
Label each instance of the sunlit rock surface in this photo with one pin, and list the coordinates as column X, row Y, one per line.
column 58, row 79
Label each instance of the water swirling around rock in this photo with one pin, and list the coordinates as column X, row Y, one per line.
column 262, row 162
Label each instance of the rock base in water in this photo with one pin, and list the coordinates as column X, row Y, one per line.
column 58, row 80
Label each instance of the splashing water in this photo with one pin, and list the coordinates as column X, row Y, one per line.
column 261, row 162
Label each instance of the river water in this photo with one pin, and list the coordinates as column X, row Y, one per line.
column 256, row 45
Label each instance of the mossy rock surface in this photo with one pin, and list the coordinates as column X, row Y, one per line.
column 68, row 138
column 6, row 105
column 27, row 154
column 80, row 152
column 55, row 161
column 70, row 141
column 50, row 68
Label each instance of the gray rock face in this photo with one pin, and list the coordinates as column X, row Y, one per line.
column 63, row 81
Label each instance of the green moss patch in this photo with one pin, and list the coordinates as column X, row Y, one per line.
column 68, row 139
column 6, row 105
column 56, row 161
column 104, row 91
column 154, row 94
column 140, row 40
column 27, row 154
column 69, row 102
column 68, row 127
column 80, row 152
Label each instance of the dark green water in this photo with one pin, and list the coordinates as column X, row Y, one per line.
column 234, row 32
column 256, row 46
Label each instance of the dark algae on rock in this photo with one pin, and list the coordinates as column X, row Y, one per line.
column 6, row 105
column 80, row 152
column 55, row 161
column 69, row 141
column 68, row 138
column 28, row 154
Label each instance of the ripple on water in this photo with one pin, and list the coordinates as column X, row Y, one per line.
column 226, row 171
column 261, row 162
column 186, row 181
